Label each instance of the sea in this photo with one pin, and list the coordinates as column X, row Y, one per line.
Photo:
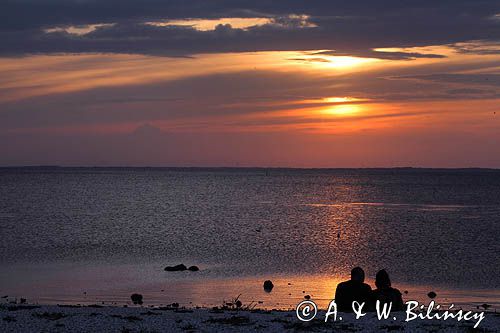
column 97, row 235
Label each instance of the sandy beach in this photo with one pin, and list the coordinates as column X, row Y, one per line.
column 168, row 319
column 96, row 318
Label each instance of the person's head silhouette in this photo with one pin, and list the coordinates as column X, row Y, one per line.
column 382, row 279
column 357, row 274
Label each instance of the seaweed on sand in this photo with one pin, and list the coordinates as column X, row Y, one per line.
column 235, row 304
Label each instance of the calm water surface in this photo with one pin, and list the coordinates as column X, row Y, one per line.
column 86, row 235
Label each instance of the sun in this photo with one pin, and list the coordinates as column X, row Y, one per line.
column 342, row 99
column 342, row 110
column 347, row 62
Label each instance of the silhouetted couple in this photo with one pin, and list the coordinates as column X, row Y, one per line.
column 356, row 290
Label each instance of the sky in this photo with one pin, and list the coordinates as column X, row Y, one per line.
column 296, row 83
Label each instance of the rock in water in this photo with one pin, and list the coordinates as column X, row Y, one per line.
column 193, row 268
column 432, row 295
column 268, row 286
column 176, row 268
column 136, row 298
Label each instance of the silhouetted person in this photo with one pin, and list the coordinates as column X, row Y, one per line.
column 385, row 293
column 353, row 290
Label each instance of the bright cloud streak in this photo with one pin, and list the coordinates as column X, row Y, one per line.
column 211, row 24
column 291, row 94
column 78, row 30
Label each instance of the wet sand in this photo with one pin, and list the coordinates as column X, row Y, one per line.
column 113, row 285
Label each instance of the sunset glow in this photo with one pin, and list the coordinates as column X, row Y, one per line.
column 292, row 76
column 345, row 109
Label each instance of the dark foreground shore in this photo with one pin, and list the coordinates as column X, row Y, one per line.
column 58, row 318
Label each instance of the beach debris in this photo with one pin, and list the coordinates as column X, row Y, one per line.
column 21, row 307
column 432, row 295
column 69, row 306
column 268, row 286
column 176, row 268
column 136, row 298
column 406, row 292
column 486, row 306
column 307, row 297
column 235, row 304
column 193, row 268
column 231, row 304
column 216, row 309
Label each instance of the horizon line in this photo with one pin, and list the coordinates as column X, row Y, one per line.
column 242, row 167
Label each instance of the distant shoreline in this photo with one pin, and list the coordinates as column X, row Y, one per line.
column 245, row 168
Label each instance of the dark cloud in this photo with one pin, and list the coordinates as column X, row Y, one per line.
column 476, row 79
column 479, row 47
column 40, row 13
column 336, row 25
